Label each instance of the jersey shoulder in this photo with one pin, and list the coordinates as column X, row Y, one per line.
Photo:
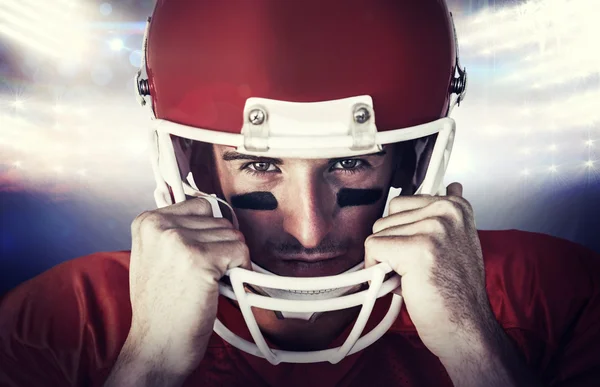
column 537, row 281
column 67, row 321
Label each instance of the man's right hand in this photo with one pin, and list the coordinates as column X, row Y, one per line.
column 178, row 255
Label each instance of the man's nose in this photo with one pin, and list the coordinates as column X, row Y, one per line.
column 308, row 213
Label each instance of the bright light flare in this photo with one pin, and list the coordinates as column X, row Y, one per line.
column 70, row 146
column 559, row 37
column 116, row 44
column 54, row 28
column 82, row 112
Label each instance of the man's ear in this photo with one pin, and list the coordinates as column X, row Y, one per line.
column 412, row 160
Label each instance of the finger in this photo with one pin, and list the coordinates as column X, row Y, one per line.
column 413, row 251
column 211, row 235
column 195, row 206
column 377, row 250
column 454, row 189
column 436, row 207
column 225, row 255
column 428, row 226
column 405, row 217
column 195, row 222
column 407, row 203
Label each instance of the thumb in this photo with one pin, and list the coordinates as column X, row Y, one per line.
column 454, row 189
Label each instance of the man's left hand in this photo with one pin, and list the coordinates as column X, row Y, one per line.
column 432, row 242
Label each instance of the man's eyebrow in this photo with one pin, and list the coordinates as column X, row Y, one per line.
column 233, row 155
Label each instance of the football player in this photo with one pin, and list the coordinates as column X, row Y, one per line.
column 304, row 234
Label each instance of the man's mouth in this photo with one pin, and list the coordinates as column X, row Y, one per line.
column 309, row 257
column 310, row 265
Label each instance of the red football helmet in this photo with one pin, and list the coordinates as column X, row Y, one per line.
column 303, row 79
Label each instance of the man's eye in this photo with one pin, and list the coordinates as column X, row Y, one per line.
column 348, row 164
column 262, row 167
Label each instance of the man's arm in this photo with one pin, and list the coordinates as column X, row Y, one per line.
column 174, row 301
column 489, row 359
column 571, row 357
column 144, row 368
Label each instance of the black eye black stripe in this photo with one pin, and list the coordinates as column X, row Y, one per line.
column 346, row 197
column 254, row 201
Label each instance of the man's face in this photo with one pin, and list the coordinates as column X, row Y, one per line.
column 301, row 217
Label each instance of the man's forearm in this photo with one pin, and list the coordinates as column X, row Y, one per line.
column 130, row 373
column 138, row 367
column 494, row 361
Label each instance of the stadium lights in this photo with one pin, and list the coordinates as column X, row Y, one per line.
column 55, row 28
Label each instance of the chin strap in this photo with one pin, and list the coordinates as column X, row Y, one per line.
column 433, row 183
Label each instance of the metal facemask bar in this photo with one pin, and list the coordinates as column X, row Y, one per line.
column 280, row 129
column 354, row 342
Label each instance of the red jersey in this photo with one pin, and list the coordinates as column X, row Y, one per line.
column 66, row 327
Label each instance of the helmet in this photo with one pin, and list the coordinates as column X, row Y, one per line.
column 304, row 79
